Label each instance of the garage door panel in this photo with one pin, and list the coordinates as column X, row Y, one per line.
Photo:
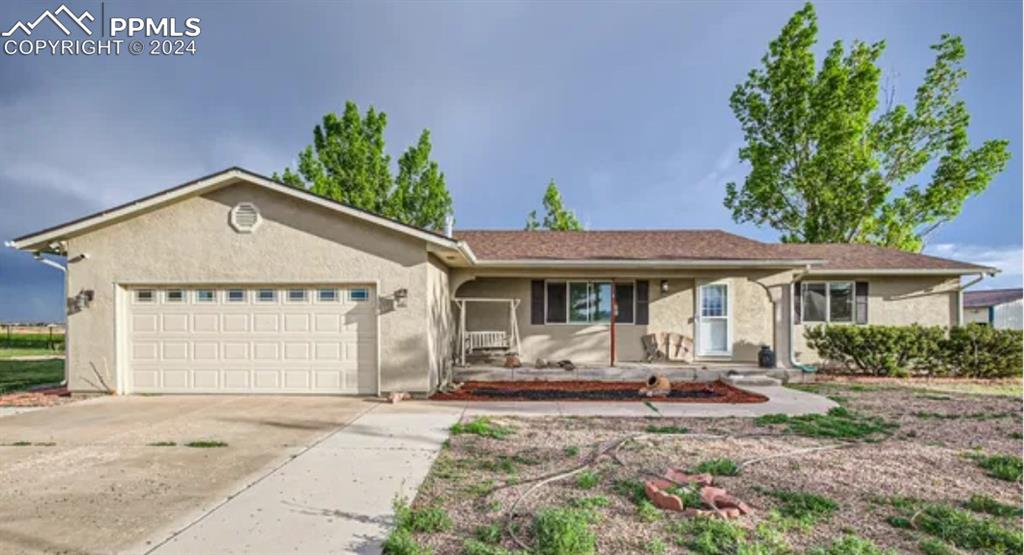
column 248, row 346
column 265, row 322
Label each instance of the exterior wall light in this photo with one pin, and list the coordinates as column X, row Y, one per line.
column 664, row 286
column 401, row 296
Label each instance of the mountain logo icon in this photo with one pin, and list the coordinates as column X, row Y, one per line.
column 53, row 17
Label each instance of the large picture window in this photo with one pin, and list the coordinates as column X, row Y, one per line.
column 587, row 302
column 831, row 301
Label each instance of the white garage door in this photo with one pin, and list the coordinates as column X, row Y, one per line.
column 311, row 339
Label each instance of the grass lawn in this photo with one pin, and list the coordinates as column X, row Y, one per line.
column 16, row 375
column 24, row 352
column 918, row 471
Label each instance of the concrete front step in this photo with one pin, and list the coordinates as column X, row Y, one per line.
column 750, row 379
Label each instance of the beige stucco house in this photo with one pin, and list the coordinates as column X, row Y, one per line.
column 237, row 283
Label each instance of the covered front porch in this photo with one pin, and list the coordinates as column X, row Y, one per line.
column 718, row 323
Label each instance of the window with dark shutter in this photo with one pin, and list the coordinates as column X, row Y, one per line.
column 642, row 288
column 624, row 300
column 798, row 293
column 862, row 302
column 556, row 302
column 537, row 302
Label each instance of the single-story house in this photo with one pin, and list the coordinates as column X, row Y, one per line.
column 999, row 308
column 237, row 283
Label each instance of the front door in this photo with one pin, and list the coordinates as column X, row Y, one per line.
column 713, row 315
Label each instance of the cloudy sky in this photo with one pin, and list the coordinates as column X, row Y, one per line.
column 625, row 105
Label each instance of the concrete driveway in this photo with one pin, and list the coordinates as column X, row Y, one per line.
column 92, row 482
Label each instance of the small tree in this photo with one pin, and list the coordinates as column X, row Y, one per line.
column 347, row 162
column 822, row 170
column 558, row 218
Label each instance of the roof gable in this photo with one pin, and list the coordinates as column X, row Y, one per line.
column 41, row 240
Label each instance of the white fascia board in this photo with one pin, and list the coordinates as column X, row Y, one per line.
column 656, row 264
column 904, row 272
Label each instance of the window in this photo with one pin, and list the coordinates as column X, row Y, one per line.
column 296, row 295
column 236, row 295
column 204, row 295
column 144, row 296
column 828, row 302
column 359, row 294
column 175, row 296
column 585, row 302
column 327, row 295
column 266, row 295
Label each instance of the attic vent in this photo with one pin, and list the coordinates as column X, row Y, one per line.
column 245, row 217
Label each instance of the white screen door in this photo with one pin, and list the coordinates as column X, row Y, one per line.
column 713, row 319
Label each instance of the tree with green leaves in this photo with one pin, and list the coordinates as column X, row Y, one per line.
column 558, row 218
column 826, row 169
column 347, row 162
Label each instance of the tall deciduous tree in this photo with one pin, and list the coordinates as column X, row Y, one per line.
column 824, row 168
column 347, row 162
column 558, row 218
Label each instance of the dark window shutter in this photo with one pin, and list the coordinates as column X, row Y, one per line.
column 862, row 302
column 556, row 302
column 537, row 302
column 798, row 295
column 641, row 302
column 624, row 300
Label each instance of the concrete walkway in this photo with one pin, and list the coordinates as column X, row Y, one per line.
column 335, row 497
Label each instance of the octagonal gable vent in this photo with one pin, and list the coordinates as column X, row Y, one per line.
column 245, row 217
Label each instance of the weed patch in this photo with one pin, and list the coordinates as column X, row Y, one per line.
column 589, row 502
column 838, row 423
column 963, row 530
column 806, row 508
column 475, row 547
column 488, row 534
column 587, row 479
column 162, row 444
column 427, row 519
column 481, row 426
column 1003, row 467
column 850, row 545
column 564, row 531
column 718, row 467
column 932, row 546
column 647, row 512
column 631, row 489
column 984, row 504
column 401, row 542
column 656, row 547
column 571, row 451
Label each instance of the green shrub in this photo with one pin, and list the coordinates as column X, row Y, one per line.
column 877, row 350
column 807, row 508
column 975, row 351
column 587, row 479
column 562, row 531
column 971, row 351
column 481, row 426
column 1003, row 467
column 718, row 467
column 963, row 530
column 401, row 542
column 984, row 504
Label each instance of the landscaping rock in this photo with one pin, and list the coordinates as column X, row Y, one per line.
column 662, row 500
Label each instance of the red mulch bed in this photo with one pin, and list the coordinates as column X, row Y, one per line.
column 42, row 397
column 556, row 390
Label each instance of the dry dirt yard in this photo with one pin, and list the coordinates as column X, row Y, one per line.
column 904, row 470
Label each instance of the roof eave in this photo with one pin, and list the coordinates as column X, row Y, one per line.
column 904, row 271
column 646, row 263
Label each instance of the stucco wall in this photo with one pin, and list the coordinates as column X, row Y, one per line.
column 192, row 242
column 896, row 301
column 439, row 320
column 976, row 315
column 590, row 343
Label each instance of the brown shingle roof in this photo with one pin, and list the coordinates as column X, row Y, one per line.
column 617, row 245
column 689, row 245
column 993, row 297
column 844, row 256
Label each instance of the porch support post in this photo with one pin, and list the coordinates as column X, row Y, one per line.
column 779, row 295
column 615, row 310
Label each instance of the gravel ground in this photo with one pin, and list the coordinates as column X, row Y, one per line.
column 923, row 458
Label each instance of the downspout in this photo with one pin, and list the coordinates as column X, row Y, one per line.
column 960, row 298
